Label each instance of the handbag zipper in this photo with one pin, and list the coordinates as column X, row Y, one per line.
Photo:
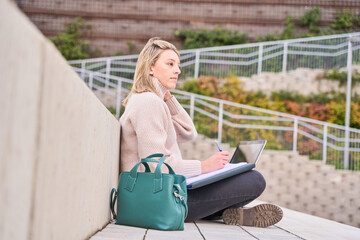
column 181, row 218
column 181, row 198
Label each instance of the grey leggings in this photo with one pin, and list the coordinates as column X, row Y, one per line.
column 213, row 199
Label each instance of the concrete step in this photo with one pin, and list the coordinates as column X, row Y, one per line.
column 298, row 183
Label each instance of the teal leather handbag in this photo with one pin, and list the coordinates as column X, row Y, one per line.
column 150, row 200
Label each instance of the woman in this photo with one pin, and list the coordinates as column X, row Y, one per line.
column 154, row 122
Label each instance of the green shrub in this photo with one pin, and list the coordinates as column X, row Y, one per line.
column 288, row 29
column 209, row 38
column 112, row 110
column 344, row 20
column 70, row 44
column 341, row 76
column 287, row 33
column 311, row 19
column 131, row 48
column 192, row 86
column 267, row 38
column 284, row 95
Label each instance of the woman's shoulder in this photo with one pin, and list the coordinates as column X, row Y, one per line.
column 145, row 99
column 145, row 104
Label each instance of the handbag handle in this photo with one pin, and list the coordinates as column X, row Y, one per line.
column 130, row 183
column 171, row 171
column 150, row 159
column 113, row 201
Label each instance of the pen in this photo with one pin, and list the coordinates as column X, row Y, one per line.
column 218, row 146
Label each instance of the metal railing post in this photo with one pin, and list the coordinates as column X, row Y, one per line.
column 108, row 67
column 118, row 99
column 348, row 103
column 285, row 53
column 91, row 80
column 197, row 64
column 260, row 58
column 324, row 155
column 220, row 120
column 192, row 106
column 295, row 134
column 82, row 70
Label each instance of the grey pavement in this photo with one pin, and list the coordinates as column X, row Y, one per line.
column 294, row 225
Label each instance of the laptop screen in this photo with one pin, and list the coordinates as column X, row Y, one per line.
column 248, row 151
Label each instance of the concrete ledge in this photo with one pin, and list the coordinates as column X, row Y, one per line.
column 20, row 79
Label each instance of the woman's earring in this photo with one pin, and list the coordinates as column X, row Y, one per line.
column 151, row 73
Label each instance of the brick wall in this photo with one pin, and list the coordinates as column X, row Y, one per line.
column 117, row 22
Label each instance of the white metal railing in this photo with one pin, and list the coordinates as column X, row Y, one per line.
column 232, row 122
column 333, row 51
column 245, row 59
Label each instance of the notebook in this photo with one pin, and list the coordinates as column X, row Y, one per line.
column 245, row 157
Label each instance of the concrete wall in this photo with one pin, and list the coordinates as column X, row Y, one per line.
column 59, row 146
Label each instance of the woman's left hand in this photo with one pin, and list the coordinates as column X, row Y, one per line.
column 167, row 96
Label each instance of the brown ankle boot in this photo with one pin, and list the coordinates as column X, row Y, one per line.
column 262, row 215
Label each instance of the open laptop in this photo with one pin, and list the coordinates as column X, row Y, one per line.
column 245, row 157
column 248, row 151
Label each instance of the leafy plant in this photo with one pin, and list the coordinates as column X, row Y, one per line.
column 70, row 44
column 338, row 116
column 311, row 18
column 283, row 95
column 287, row 33
column 193, row 86
column 341, row 76
column 131, row 47
column 267, row 38
column 209, row 38
column 112, row 110
column 119, row 53
column 344, row 20
column 288, row 29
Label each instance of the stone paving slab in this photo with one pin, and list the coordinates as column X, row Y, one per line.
column 218, row 230
column 294, row 225
column 306, row 226
column 210, row 230
column 312, row 227
column 112, row 231
column 272, row 232
column 190, row 232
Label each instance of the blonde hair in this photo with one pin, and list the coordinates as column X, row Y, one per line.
column 148, row 56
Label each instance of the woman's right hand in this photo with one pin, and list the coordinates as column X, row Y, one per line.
column 215, row 162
